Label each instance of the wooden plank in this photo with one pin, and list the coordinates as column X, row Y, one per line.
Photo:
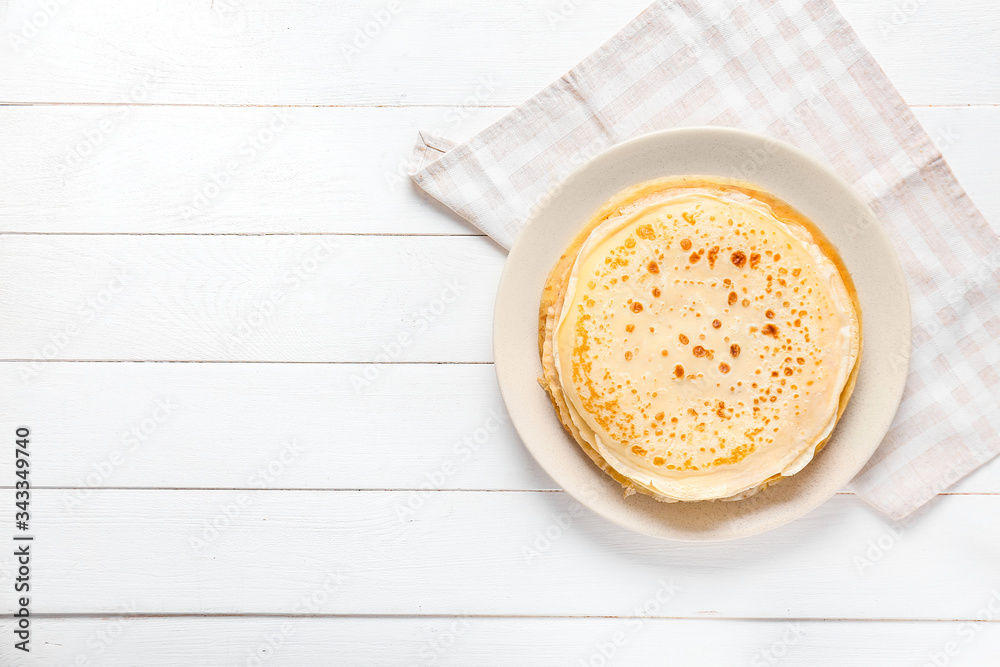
column 301, row 51
column 183, row 169
column 123, row 641
column 489, row 553
column 936, row 39
column 311, row 52
column 966, row 137
column 314, row 426
column 258, row 298
column 141, row 169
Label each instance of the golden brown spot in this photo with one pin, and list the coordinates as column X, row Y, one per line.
column 788, row 371
column 679, row 371
column 716, row 324
column 770, row 330
column 628, row 355
column 713, row 254
column 659, row 416
column 796, row 272
column 745, row 302
column 658, row 460
column 800, row 361
column 738, row 259
column 653, row 267
column 683, row 339
column 664, row 352
column 739, row 453
column 733, row 296
column 630, row 242
column 694, row 257
column 636, row 307
column 645, row 232
column 636, row 449
column 656, row 291
column 685, row 244
column 754, row 260
column 699, row 351
column 734, row 350
column 777, row 257
column 630, row 328
column 769, row 314
column 724, row 367
column 692, row 412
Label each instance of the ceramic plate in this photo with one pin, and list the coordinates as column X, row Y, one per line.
column 793, row 176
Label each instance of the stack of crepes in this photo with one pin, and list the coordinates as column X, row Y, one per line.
column 699, row 339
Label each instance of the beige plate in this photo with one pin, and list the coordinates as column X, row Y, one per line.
column 793, row 176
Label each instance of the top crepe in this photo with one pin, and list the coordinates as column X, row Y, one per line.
column 700, row 339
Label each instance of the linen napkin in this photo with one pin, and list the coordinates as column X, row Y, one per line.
column 794, row 70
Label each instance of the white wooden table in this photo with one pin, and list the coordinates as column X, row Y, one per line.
column 216, row 189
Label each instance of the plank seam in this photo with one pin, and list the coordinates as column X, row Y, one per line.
column 240, row 361
column 368, row 490
column 762, row 619
column 373, row 105
column 470, row 234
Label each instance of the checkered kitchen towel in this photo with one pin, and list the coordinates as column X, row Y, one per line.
column 795, row 70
